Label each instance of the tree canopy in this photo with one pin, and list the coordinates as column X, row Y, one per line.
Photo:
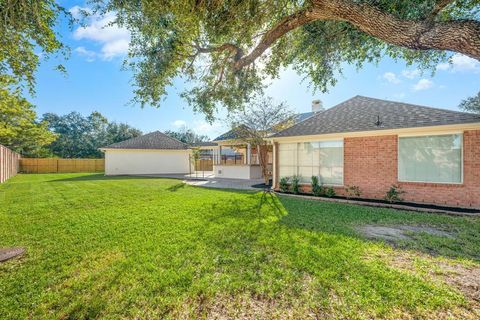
column 187, row 135
column 80, row 137
column 225, row 50
column 471, row 104
column 19, row 128
column 26, row 33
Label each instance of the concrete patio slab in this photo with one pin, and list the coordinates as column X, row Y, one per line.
column 207, row 179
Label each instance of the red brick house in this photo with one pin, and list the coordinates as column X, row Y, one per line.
column 432, row 154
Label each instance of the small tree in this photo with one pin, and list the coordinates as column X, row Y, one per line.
column 256, row 122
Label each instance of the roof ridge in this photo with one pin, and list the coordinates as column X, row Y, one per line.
column 416, row 105
column 150, row 139
column 352, row 115
column 170, row 137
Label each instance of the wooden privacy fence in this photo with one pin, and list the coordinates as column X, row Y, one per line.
column 54, row 165
column 8, row 163
column 204, row 165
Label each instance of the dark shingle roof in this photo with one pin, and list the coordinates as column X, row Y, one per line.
column 229, row 135
column 152, row 140
column 361, row 114
column 233, row 134
column 303, row 116
column 203, row 144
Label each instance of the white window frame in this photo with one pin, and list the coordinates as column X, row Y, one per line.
column 319, row 140
column 429, row 135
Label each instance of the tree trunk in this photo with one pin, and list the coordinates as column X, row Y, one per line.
column 262, row 151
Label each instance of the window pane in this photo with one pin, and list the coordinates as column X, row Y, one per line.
column 305, row 174
column 323, row 159
column 331, row 162
column 430, row 158
column 287, row 159
column 286, row 171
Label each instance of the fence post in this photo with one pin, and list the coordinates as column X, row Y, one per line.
column 8, row 163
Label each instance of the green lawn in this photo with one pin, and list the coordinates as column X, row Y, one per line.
column 123, row 247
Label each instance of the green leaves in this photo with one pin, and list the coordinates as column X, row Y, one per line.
column 225, row 51
column 27, row 27
column 19, row 129
column 80, row 137
column 471, row 104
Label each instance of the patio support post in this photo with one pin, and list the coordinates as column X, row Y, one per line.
column 249, row 152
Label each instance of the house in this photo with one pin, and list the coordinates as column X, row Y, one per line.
column 152, row 153
column 432, row 154
column 235, row 159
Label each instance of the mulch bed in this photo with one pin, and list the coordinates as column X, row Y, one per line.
column 411, row 206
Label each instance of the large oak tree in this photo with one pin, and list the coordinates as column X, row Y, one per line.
column 27, row 32
column 226, row 49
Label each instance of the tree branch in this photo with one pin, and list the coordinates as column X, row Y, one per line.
column 439, row 6
column 461, row 36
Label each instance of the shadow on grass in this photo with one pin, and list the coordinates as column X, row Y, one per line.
column 101, row 176
column 276, row 250
column 176, row 187
column 345, row 220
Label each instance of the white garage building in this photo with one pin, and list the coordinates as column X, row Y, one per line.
column 152, row 153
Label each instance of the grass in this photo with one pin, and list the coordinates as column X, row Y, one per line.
column 123, row 247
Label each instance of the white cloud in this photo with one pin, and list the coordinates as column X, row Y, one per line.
column 205, row 128
column 399, row 96
column 201, row 127
column 77, row 11
column 411, row 74
column 460, row 63
column 423, row 84
column 103, row 30
column 179, row 123
column 443, row 66
column 391, row 77
column 88, row 54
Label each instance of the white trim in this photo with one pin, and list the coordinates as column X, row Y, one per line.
column 461, row 133
column 442, row 133
column 431, row 130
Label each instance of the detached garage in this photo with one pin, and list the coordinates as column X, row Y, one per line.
column 153, row 153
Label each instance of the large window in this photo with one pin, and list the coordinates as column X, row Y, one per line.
column 306, row 159
column 430, row 158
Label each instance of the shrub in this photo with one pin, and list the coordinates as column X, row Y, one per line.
column 283, row 184
column 352, row 191
column 317, row 189
column 394, row 194
column 330, row 192
column 296, row 184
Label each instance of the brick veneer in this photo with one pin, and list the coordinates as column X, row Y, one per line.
column 371, row 164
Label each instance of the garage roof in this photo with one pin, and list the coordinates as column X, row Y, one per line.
column 152, row 140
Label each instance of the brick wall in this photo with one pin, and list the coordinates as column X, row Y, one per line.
column 463, row 195
column 371, row 164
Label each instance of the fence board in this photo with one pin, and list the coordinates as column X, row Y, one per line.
column 204, row 165
column 56, row 165
column 8, row 163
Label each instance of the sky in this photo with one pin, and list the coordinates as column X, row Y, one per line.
column 95, row 81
